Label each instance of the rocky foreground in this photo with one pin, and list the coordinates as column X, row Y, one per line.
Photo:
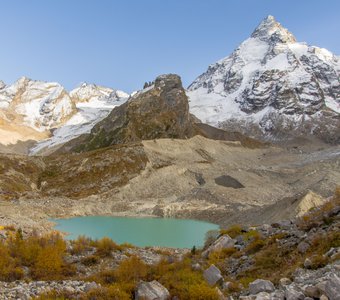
column 292, row 259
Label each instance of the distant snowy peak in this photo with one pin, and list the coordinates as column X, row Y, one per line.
column 44, row 106
column 271, row 85
column 87, row 92
column 40, row 105
column 93, row 104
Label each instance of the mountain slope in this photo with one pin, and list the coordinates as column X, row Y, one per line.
column 159, row 111
column 46, row 112
column 93, row 104
column 272, row 87
column 36, row 104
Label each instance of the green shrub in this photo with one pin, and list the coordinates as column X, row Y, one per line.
column 105, row 246
column 232, row 231
column 90, row 260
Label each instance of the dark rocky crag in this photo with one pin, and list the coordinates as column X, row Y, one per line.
column 159, row 111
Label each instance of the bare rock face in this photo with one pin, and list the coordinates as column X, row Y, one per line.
column 151, row 291
column 159, row 111
column 272, row 87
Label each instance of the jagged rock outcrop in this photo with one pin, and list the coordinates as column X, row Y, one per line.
column 272, row 87
column 159, row 111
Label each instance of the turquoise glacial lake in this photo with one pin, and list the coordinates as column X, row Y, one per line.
column 140, row 232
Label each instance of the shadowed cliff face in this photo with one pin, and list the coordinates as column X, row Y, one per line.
column 159, row 111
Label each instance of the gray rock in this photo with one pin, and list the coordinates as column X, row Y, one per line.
column 196, row 267
column 291, row 293
column 263, row 296
column 307, row 263
column 226, row 285
column 277, row 295
column 222, row 242
column 311, row 291
column 212, row 275
column 331, row 251
column 333, row 288
column 303, row 247
column 284, row 281
column 90, row 286
column 151, row 291
column 321, row 286
column 260, row 285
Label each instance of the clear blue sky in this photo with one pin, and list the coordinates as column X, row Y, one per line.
column 124, row 43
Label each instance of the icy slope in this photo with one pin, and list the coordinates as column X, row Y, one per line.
column 271, row 86
column 37, row 104
column 93, row 104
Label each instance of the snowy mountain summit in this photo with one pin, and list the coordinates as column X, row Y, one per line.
column 272, row 87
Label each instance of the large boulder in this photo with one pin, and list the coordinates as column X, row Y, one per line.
column 159, row 111
column 222, row 242
column 260, row 285
column 212, row 275
column 151, row 291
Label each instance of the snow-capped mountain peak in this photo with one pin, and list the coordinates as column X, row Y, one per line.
column 271, row 86
column 47, row 107
column 270, row 30
column 37, row 104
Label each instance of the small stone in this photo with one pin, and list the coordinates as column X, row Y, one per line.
column 277, row 295
column 196, row 267
column 292, row 294
column 307, row 263
column 284, row 281
column 312, row 291
column 331, row 252
column 321, row 286
column 323, row 297
column 212, row 275
column 263, row 296
column 90, row 286
column 260, row 285
column 303, row 247
column 227, row 285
